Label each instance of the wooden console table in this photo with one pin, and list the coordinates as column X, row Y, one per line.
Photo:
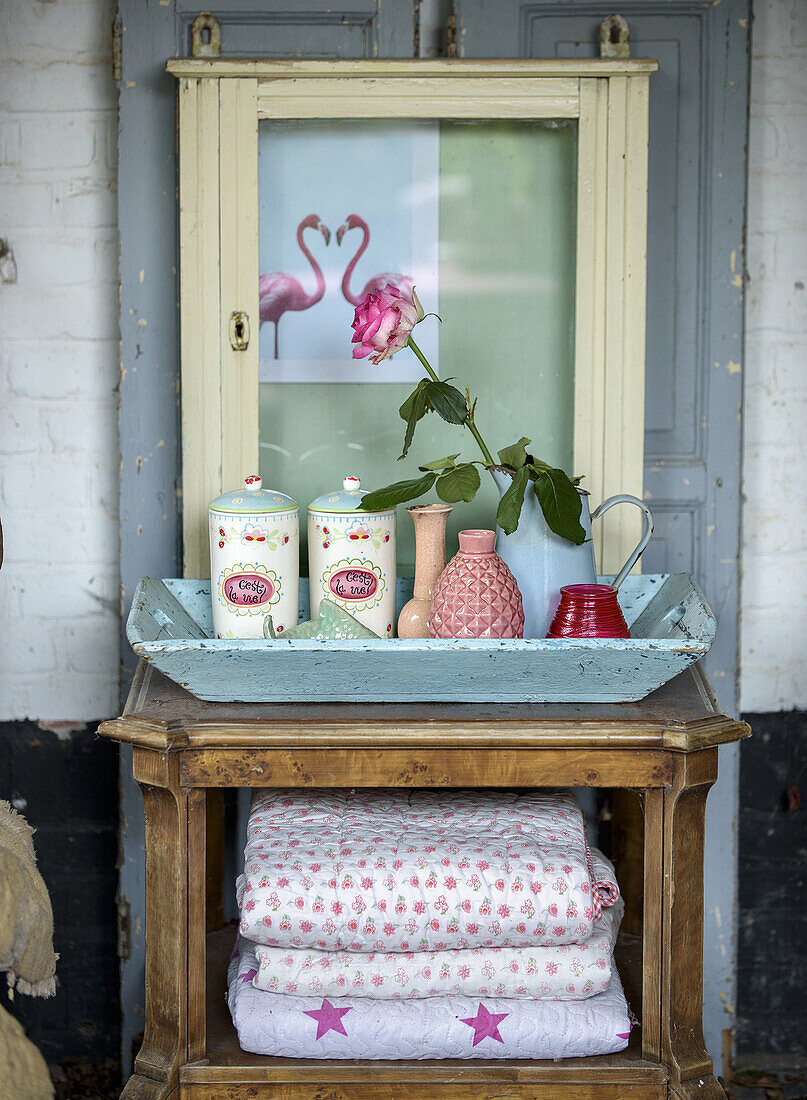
column 664, row 749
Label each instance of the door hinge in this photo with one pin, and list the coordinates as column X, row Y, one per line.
column 117, row 34
column 124, row 929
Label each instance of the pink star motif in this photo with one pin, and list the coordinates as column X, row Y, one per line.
column 486, row 1024
column 328, row 1018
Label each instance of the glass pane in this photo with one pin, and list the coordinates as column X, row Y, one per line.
column 480, row 216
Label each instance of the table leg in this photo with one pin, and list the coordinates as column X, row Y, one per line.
column 156, row 1075
column 682, row 1043
column 214, row 869
column 652, row 918
column 204, row 864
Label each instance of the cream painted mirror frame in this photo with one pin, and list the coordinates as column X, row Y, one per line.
column 220, row 105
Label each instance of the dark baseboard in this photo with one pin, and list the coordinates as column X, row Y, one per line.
column 772, row 942
column 66, row 785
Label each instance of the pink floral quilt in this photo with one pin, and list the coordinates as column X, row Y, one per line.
column 571, row 971
column 418, row 870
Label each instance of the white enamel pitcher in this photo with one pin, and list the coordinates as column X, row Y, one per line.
column 542, row 561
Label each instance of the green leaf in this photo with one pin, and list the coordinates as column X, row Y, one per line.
column 391, row 495
column 446, row 463
column 536, row 467
column 515, row 455
column 561, row 504
column 509, row 510
column 459, row 483
column 413, row 409
column 447, row 402
column 405, row 410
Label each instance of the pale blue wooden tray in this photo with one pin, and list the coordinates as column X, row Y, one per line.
column 671, row 623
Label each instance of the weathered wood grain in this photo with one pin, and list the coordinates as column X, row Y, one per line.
column 387, row 766
column 239, row 246
column 165, row 1033
column 144, row 1088
column 196, row 922
column 627, row 849
column 372, row 1089
column 421, row 96
column 214, row 860
column 448, row 69
column 590, row 366
column 189, row 1037
column 682, row 1044
column 200, row 315
column 652, row 917
column 681, row 716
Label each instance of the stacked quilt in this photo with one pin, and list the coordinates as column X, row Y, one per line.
column 425, row 924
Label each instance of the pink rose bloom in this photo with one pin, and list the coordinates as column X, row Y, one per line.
column 383, row 322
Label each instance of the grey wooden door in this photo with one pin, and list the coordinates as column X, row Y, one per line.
column 150, row 472
column 696, row 215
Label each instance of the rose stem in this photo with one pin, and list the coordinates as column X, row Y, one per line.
column 469, row 421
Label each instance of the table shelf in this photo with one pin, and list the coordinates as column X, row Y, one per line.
column 227, row 1065
column 664, row 750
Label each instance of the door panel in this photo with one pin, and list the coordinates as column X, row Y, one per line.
column 150, row 481
column 305, row 28
column 694, row 272
column 696, row 215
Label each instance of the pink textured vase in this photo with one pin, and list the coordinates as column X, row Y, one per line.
column 476, row 595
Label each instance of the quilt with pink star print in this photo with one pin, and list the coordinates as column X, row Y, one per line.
column 418, row 870
column 435, row 1027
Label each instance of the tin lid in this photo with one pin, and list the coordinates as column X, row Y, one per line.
column 253, row 498
column 346, row 499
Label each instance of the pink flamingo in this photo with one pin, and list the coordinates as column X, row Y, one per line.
column 279, row 292
column 376, row 282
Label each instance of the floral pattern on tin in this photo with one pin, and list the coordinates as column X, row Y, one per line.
column 253, row 534
column 358, row 532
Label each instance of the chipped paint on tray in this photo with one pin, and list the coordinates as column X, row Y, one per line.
column 672, row 626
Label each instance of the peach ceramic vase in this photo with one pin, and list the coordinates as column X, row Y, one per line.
column 430, row 561
column 476, row 595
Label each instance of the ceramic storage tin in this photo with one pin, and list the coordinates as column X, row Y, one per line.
column 254, row 560
column 351, row 557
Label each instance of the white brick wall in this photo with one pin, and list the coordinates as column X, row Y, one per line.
column 58, row 362
column 774, row 586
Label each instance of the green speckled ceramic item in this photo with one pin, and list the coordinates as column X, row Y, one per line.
column 333, row 622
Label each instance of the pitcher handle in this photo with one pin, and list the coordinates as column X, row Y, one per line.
column 626, row 498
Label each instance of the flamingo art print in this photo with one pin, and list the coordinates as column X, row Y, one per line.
column 280, row 292
column 375, row 282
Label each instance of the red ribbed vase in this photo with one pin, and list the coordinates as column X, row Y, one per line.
column 588, row 611
column 476, row 595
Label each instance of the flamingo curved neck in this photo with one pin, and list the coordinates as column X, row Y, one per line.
column 351, row 266
column 312, row 299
